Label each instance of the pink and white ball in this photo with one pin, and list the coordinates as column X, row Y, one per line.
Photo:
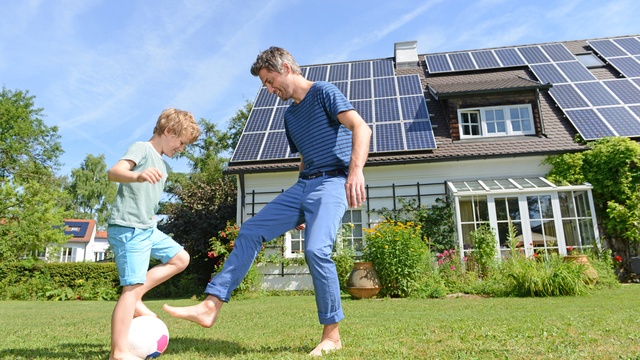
column 148, row 337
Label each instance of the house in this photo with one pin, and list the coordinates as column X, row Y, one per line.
column 87, row 243
column 472, row 126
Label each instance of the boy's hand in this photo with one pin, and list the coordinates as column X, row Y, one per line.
column 150, row 175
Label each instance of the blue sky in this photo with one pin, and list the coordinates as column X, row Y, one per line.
column 103, row 70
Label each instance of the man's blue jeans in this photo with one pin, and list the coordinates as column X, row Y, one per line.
column 320, row 203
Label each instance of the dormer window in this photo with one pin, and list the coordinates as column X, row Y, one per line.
column 496, row 121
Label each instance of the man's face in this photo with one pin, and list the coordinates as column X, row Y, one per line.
column 276, row 83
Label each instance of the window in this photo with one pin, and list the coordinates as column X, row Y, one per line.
column 98, row 256
column 473, row 213
column 295, row 241
column 576, row 219
column 496, row 121
column 352, row 230
column 589, row 60
column 66, row 254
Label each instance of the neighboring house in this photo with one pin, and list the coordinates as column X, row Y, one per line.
column 87, row 243
column 472, row 126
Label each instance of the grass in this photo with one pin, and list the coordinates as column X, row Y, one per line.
column 602, row 325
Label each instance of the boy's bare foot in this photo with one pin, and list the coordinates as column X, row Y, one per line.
column 143, row 310
column 203, row 314
column 326, row 346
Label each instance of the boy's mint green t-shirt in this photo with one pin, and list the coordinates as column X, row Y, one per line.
column 137, row 203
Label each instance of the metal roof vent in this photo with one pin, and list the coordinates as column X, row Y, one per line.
column 406, row 54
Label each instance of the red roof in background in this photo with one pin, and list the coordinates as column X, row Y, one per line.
column 81, row 229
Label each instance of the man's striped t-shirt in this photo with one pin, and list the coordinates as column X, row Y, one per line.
column 313, row 129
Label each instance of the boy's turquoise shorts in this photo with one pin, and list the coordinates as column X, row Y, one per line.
column 134, row 247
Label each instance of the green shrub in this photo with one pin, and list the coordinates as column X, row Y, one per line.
column 399, row 256
column 343, row 257
column 551, row 277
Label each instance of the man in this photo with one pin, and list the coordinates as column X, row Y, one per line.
column 333, row 141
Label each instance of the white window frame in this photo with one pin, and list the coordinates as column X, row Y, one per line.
column 487, row 124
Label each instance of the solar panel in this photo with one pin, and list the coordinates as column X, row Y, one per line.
column 509, row 57
column 533, row 55
column 575, row 71
column 414, row 107
column 248, row 147
column 636, row 110
column 628, row 66
column 624, row 90
column 277, row 123
column 383, row 68
column 548, row 73
column 392, row 139
column 485, row 59
column 462, row 61
column 419, row 135
column 386, row 110
column 437, row 63
column 409, row 85
column 630, row 44
column 339, row 72
column 589, row 124
column 259, row 120
column 265, row 98
column 343, row 86
column 606, row 48
column 275, row 146
column 637, row 81
column 384, row 87
column 567, row 97
column 365, row 109
column 361, row 70
column 317, row 73
column 621, row 120
column 558, row 52
column 360, row 89
column 596, row 93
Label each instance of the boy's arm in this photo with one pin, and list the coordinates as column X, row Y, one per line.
column 121, row 172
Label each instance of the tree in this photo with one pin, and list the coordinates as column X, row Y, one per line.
column 31, row 197
column 26, row 143
column 611, row 165
column 91, row 190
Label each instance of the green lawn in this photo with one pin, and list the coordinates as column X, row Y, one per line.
column 603, row 325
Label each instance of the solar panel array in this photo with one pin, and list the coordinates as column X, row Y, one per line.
column 393, row 106
column 597, row 108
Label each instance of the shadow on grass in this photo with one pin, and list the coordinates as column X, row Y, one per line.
column 223, row 348
column 177, row 346
column 59, row 351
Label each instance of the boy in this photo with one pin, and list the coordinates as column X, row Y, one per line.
column 132, row 231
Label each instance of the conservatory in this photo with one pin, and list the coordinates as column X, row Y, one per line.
column 547, row 218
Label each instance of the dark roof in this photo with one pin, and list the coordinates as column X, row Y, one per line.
column 443, row 90
column 557, row 134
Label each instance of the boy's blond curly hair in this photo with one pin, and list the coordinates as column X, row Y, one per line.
column 179, row 123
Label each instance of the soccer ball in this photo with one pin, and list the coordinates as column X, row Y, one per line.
column 148, row 337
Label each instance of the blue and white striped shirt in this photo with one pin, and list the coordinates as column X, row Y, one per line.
column 313, row 129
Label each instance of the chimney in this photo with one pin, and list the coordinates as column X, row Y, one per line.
column 406, row 54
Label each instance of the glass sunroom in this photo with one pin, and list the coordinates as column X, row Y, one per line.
column 548, row 218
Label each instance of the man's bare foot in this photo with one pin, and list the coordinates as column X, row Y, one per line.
column 326, row 346
column 143, row 310
column 203, row 314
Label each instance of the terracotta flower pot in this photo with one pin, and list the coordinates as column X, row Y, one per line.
column 590, row 272
column 363, row 281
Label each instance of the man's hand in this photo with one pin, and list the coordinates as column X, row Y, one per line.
column 355, row 189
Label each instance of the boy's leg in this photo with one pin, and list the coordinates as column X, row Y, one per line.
column 159, row 274
column 323, row 222
column 121, row 322
column 280, row 215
